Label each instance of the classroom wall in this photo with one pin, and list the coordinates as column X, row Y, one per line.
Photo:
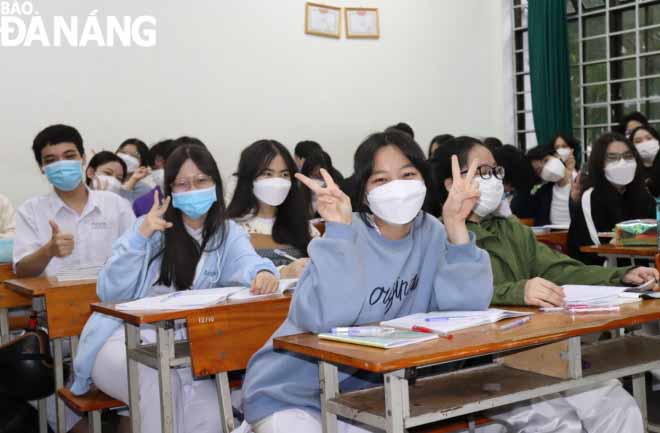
column 231, row 72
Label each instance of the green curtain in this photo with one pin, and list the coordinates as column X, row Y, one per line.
column 549, row 69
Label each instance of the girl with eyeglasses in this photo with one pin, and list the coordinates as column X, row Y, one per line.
column 527, row 272
column 613, row 192
column 184, row 243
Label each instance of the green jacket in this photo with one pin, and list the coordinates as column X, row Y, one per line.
column 516, row 256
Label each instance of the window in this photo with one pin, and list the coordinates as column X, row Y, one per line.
column 614, row 56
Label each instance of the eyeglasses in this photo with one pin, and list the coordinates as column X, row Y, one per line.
column 615, row 157
column 485, row 172
column 195, row 182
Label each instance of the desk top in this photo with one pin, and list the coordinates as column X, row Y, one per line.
column 144, row 317
column 482, row 340
column 6, row 271
column 39, row 286
column 649, row 251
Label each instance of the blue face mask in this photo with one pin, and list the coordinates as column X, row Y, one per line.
column 64, row 175
column 194, row 203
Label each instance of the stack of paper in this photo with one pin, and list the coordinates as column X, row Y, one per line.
column 445, row 322
column 181, row 300
column 286, row 285
column 74, row 273
column 598, row 295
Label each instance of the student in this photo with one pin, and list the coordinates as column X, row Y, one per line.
column 631, row 121
column 645, row 139
column 188, row 245
column 106, row 172
column 160, row 152
column 567, row 147
column 138, row 159
column 527, row 272
column 518, row 179
column 614, row 192
column 303, row 149
column 387, row 260
column 268, row 201
column 438, row 141
column 7, row 218
column 72, row 225
column 551, row 197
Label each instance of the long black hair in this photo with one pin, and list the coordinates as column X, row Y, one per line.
column 180, row 251
column 104, row 157
column 518, row 171
column 291, row 225
column 363, row 166
column 142, row 148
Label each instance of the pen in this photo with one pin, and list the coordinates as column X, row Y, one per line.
column 593, row 310
column 441, row 319
column 284, row 254
column 515, row 323
column 430, row 331
column 362, row 331
column 550, row 309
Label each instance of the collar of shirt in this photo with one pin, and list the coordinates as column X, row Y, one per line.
column 57, row 204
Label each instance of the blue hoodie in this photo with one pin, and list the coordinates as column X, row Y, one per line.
column 356, row 276
column 128, row 274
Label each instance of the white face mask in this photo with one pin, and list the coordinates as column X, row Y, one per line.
column 272, row 191
column 647, row 150
column 553, row 170
column 491, row 192
column 158, row 176
column 106, row 183
column 621, row 173
column 132, row 163
column 398, row 201
column 564, row 153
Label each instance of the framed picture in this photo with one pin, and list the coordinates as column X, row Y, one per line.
column 362, row 23
column 322, row 20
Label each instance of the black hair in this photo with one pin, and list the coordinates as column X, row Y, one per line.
column 363, row 165
column 56, row 134
column 305, row 148
column 403, row 127
column 573, row 143
column 539, row 153
column 518, row 171
column 103, row 157
column 441, row 163
column 291, row 225
column 597, row 160
column 635, row 115
column 162, row 149
column 320, row 159
column 180, row 251
column 143, row 150
column 492, row 143
column 439, row 140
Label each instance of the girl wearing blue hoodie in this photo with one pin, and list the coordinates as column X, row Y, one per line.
column 188, row 245
column 387, row 260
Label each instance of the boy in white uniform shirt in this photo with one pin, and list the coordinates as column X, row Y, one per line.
column 72, row 225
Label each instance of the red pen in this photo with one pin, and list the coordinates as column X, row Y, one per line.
column 430, row 331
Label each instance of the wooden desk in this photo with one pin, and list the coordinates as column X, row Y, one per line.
column 557, row 240
column 221, row 338
column 396, row 406
column 8, row 301
column 613, row 252
column 63, row 307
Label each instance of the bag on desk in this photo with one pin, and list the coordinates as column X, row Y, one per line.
column 27, row 371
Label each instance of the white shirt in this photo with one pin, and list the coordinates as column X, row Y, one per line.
column 106, row 217
column 264, row 226
column 7, row 218
column 559, row 213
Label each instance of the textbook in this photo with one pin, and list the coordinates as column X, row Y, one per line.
column 445, row 322
column 75, row 273
column 286, row 285
column 398, row 338
column 180, row 300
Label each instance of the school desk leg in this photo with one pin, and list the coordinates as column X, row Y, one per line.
column 43, row 415
column 4, row 325
column 94, row 420
column 165, row 347
column 224, row 401
column 132, row 343
column 59, row 383
column 397, row 403
column 639, row 392
column 329, row 381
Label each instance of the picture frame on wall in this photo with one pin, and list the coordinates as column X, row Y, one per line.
column 322, row 20
column 362, row 23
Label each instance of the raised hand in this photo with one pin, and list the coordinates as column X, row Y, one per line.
column 140, row 173
column 332, row 204
column 154, row 221
column 60, row 244
column 99, row 184
column 463, row 194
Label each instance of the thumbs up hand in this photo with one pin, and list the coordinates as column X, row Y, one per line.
column 60, row 244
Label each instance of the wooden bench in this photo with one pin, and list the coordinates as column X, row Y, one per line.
column 91, row 404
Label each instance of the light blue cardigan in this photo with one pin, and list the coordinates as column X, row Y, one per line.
column 131, row 272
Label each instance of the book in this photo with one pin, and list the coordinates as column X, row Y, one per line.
column 76, row 273
column 180, row 300
column 445, row 322
column 286, row 285
column 398, row 338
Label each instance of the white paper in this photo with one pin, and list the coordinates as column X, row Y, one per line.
column 75, row 273
column 456, row 320
column 286, row 284
column 181, row 300
column 576, row 294
column 323, row 20
column 362, row 23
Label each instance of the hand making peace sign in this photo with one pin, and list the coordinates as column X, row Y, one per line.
column 332, row 204
column 154, row 220
column 463, row 196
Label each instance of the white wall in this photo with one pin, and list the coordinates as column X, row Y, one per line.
column 231, row 72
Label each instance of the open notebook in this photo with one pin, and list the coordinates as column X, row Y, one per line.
column 445, row 322
column 286, row 285
column 394, row 339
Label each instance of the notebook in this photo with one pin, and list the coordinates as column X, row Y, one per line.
column 389, row 341
column 445, row 322
column 75, row 273
column 180, row 300
column 286, row 285
column 601, row 295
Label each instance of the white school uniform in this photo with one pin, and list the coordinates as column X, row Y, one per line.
column 104, row 219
